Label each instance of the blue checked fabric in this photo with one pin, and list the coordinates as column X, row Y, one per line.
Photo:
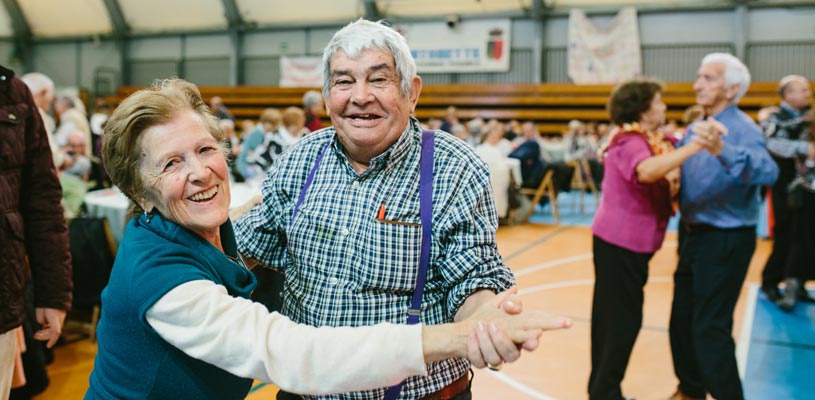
column 343, row 267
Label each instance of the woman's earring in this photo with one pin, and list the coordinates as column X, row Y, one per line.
column 148, row 215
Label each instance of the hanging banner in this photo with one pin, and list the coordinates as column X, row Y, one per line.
column 461, row 46
column 301, row 71
column 608, row 55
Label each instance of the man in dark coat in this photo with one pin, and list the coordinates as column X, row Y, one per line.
column 787, row 132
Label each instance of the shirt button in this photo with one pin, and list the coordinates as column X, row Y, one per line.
column 354, row 184
column 334, row 281
column 345, row 231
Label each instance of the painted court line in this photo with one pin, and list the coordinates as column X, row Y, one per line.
column 743, row 346
column 566, row 260
column 520, row 386
column 537, row 242
column 554, row 263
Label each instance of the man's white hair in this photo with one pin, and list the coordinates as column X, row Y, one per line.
column 362, row 35
column 784, row 83
column 37, row 82
column 735, row 72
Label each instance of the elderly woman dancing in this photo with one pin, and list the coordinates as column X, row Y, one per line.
column 640, row 185
column 177, row 322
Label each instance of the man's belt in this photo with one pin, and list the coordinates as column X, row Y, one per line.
column 701, row 227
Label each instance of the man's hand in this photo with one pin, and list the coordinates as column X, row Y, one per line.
column 490, row 345
column 241, row 210
column 709, row 135
column 51, row 320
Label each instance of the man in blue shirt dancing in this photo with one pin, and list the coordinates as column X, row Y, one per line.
column 719, row 203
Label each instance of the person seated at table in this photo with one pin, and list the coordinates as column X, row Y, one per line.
column 493, row 151
column 176, row 322
column 251, row 161
column 294, row 123
column 528, row 153
column 74, row 171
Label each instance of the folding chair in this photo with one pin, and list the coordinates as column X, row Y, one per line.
column 582, row 181
column 546, row 187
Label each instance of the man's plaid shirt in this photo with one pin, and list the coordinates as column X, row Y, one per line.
column 344, row 267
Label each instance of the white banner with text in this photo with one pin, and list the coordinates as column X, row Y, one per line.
column 301, row 71
column 467, row 46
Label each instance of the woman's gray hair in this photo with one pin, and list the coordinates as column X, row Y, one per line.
column 362, row 35
column 735, row 73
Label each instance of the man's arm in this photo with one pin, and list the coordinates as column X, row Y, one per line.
column 750, row 161
column 473, row 303
column 472, row 261
column 779, row 140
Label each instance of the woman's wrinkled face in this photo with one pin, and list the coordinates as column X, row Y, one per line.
column 185, row 175
column 655, row 116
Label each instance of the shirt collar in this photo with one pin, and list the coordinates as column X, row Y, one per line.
column 727, row 111
column 792, row 110
column 392, row 155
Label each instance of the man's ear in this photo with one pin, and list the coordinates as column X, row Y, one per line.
column 415, row 91
column 732, row 91
column 327, row 105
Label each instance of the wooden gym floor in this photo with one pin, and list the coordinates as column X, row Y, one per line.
column 554, row 271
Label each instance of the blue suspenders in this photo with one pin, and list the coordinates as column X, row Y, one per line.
column 425, row 214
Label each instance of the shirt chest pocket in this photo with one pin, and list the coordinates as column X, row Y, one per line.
column 389, row 255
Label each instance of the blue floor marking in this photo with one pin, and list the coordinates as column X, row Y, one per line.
column 781, row 358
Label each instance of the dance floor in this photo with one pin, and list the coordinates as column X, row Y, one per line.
column 553, row 267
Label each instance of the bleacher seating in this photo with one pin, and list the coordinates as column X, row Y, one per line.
column 550, row 105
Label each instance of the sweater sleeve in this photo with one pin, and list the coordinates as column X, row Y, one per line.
column 235, row 334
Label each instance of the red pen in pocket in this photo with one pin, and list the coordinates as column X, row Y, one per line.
column 381, row 215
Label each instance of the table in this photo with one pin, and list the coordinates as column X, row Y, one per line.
column 112, row 204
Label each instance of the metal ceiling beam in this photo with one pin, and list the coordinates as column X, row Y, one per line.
column 117, row 19
column 371, row 10
column 538, row 9
column 232, row 14
column 23, row 37
column 120, row 33
column 18, row 21
column 236, row 25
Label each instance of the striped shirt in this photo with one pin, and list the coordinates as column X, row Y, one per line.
column 344, row 267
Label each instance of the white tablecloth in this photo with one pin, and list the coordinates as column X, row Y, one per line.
column 112, row 204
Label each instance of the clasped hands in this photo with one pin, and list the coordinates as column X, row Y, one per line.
column 708, row 135
column 502, row 329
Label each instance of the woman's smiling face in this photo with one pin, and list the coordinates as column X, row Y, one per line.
column 185, row 176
